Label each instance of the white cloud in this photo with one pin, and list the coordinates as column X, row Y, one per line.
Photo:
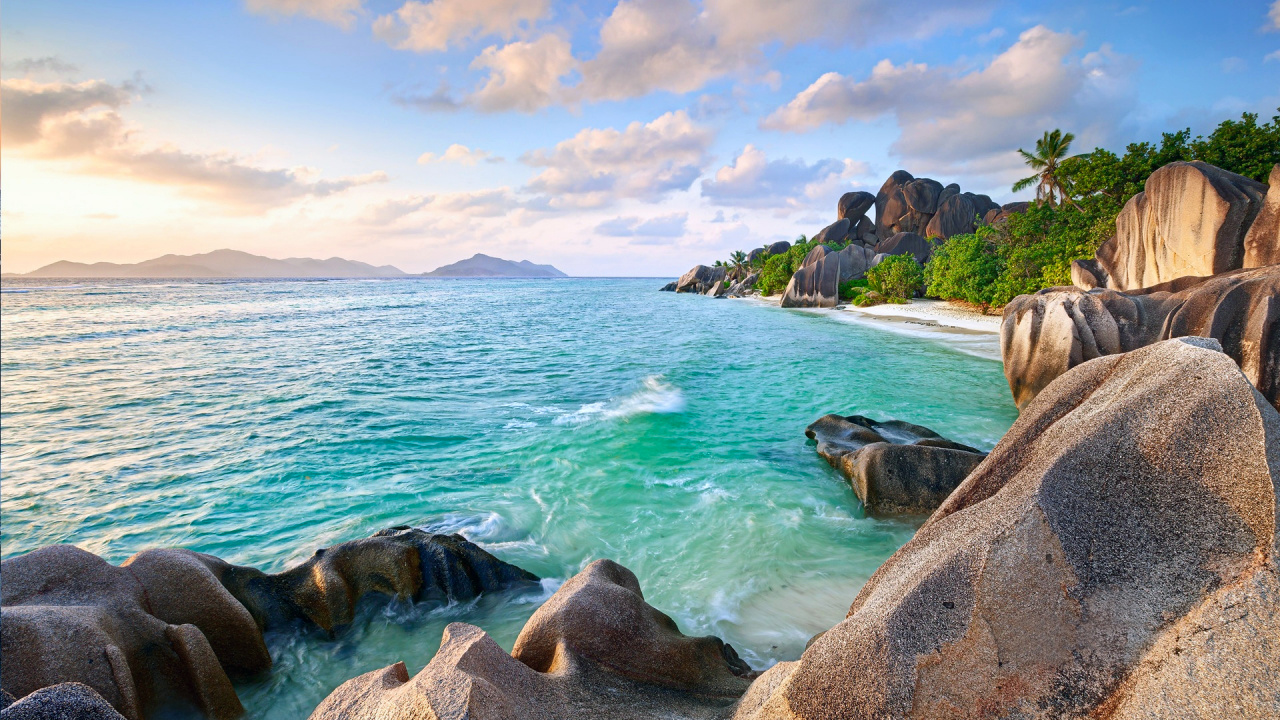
column 954, row 114
column 1274, row 16
column 1274, row 55
column 81, row 122
column 754, row 181
column 434, row 26
column 662, row 226
column 388, row 212
column 739, row 23
column 342, row 13
column 49, row 64
column 523, row 76
column 460, row 154
column 644, row 161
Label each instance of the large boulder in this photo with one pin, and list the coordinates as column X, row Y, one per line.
column 669, row 287
column 1046, row 334
column 778, row 248
column 165, row 626
column 956, row 216
column 890, row 203
column 1114, row 556
column 65, row 701
column 853, row 206
column 596, row 649
column 894, row 467
column 816, row 284
column 700, row 279
column 837, row 233
column 69, row 616
column 1191, row 220
column 1001, row 213
column 1262, row 243
column 922, row 195
column 906, row 244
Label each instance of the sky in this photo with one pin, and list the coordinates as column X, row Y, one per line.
column 631, row 138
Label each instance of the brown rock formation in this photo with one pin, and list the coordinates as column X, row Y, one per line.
column 1114, row 556
column 594, row 650
column 956, row 216
column 700, row 279
column 853, row 206
column 817, row 282
column 1191, row 220
column 1262, row 243
column 894, row 467
column 1046, row 334
column 166, row 625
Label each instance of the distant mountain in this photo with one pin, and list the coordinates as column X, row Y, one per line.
column 479, row 265
column 220, row 264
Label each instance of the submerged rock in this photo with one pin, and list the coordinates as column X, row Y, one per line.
column 894, row 467
column 1046, row 334
column 166, row 626
column 1115, row 556
column 1191, row 220
column 669, row 287
column 594, row 650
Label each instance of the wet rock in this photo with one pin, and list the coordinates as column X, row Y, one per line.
column 1114, row 556
column 594, row 650
column 1046, row 334
column 906, row 244
column 166, row 626
column 400, row 562
column 64, row 701
column 669, row 287
column 700, row 279
column 1191, row 220
column 853, row 206
column 894, row 467
column 1262, row 243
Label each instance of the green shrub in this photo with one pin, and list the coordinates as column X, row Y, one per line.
column 871, row 297
column 896, row 277
column 965, row 267
column 850, row 289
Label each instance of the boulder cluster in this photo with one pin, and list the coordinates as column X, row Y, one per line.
column 912, row 215
column 1196, row 253
column 169, row 627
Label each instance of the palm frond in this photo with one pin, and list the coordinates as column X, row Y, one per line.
column 1025, row 183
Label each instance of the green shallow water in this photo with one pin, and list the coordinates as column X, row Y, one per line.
column 552, row 422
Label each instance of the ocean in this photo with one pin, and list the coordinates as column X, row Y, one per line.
column 553, row 422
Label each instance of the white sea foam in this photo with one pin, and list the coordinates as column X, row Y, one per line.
column 654, row 397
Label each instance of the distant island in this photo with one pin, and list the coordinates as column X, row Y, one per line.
column 237, row 264
column 219, row 264
column 480, row 265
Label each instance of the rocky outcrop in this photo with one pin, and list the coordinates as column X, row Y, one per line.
column 66, row 701
column 777, row 248
column 924, row 207
column 594, row 650
column 745, row 286
column 1002, row 212
column 166, row 626
column 894, row 467
column 817, row 282
column 1262, row 243
column 1046, row 334
column 700, row 279
column 1191, row 220
column 669, row 287
column 1114, row 556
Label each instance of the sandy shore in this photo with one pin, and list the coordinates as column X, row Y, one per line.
column 957, row 326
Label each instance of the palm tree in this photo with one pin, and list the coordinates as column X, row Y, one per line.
column 738, row 261
column 1051, row 150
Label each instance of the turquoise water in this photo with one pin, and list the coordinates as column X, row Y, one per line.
column 553, row 422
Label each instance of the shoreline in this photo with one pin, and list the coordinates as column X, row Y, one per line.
column 942, row 321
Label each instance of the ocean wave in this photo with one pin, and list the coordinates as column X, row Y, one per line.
column 654, row 397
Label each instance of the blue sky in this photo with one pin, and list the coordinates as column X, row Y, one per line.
column 608, row 138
